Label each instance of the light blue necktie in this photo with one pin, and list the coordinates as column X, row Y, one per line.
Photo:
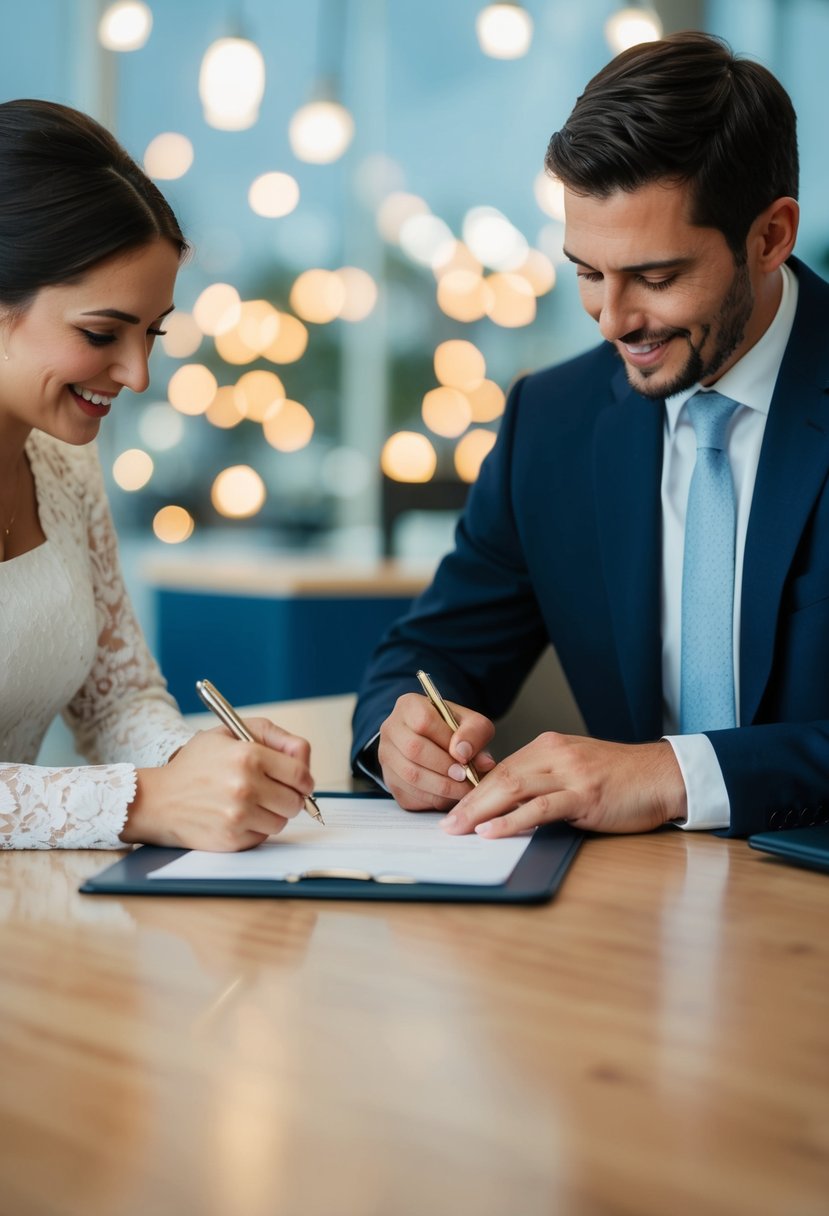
column 707, row 658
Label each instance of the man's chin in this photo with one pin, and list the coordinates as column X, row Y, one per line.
column 651, row 383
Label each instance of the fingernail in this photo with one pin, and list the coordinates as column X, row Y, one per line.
column 450, row 821
column 484, row 829
column 488, row 756
column 456, row 773
column 464, row 750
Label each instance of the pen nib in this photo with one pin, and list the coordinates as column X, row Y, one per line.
column 313, row 808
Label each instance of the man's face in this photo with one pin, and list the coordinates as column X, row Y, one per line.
column 667, row 294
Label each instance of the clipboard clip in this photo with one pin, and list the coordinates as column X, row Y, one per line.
column 350, row 875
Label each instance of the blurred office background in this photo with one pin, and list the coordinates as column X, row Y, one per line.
column 376, row 257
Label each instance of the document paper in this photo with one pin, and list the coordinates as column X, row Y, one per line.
column 366, row 834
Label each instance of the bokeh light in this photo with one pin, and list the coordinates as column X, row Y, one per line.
column 549, row 194
column 173, row 524
column 395, row 210
column 317, row 296
column 273, row 195
column 320, row 132
column 486, row 401
column 459, row 364
column 132, row 469
column 446, row 411
column 512, row 303
column 493, row 239
column 233, row 349
column 168, row 156
column 161, row 427
column 238, row 492
column 258, row 324
column 258, row 394
column 223, row 411
column 217, row 309
column 290, row 342
column 458, row 256
column 539, row 272
column 426, row 239
column 408, row 456
column 125, row 26
column 289, row 428
column 359, row 293
column 231, row 84
column 192, row 388
column 183, row 337
column 629, row 26
column 504, row 31
column 471, row 452
column 463, row 295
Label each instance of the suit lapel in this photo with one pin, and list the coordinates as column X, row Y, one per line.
column 627, row 468
column 793, row 467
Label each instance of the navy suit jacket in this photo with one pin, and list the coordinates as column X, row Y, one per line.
column 560, row 542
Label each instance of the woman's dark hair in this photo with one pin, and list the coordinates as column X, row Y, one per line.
column 684, row 109
column 70, row 196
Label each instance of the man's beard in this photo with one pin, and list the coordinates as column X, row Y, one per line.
column 729, row 328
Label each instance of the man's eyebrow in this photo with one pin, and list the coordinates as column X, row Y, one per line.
column 661, row 264
column 115, row 315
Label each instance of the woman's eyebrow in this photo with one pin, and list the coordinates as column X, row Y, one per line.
column 116, row 315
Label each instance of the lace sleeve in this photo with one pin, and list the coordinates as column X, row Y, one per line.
column 123, row 711
column 64, row 808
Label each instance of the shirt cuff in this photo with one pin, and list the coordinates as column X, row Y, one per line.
column 707, row 797
column 368, row 763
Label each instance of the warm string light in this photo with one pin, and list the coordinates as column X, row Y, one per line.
column 320, row 132
column 232, row 84
column 168, row 156
column 629, row 26
column 125, row 26
column 492, row 272
column 504, row 30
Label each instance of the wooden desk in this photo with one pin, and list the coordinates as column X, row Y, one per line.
column 655, row 1042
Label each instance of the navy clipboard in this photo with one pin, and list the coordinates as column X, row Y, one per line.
column 802, row 846
column 535, row 879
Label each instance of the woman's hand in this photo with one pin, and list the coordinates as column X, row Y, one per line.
column 221, row 794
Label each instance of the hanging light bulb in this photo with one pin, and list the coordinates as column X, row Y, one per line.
column 231, row 84
column 321, row 130
column 125, row 26
column 632, row 25
column 504, row 30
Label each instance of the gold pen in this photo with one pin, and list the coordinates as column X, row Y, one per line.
column 226, row 714
column 428, row 686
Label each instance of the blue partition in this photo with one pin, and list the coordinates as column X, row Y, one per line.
column 268, row 648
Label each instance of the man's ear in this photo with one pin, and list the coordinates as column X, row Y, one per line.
column 772, row 236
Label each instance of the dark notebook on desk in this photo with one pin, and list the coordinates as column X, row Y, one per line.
column 803, row 846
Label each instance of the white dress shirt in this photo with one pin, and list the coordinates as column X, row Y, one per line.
column 750, row 382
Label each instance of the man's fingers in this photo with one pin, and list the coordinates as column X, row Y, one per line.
column 416, row 787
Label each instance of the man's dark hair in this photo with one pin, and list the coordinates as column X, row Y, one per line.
column 684, row 109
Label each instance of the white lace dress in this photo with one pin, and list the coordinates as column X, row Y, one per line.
column 70, row 644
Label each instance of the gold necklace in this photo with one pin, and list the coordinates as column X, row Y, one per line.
column 15, row 504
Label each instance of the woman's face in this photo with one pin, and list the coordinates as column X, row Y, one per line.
column 78, row 344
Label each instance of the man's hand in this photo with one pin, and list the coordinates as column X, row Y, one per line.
column 422, row 760
column 599, row 786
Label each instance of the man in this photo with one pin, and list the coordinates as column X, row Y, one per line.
column 686, row 591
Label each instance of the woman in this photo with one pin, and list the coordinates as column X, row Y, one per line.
column 89, row 251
